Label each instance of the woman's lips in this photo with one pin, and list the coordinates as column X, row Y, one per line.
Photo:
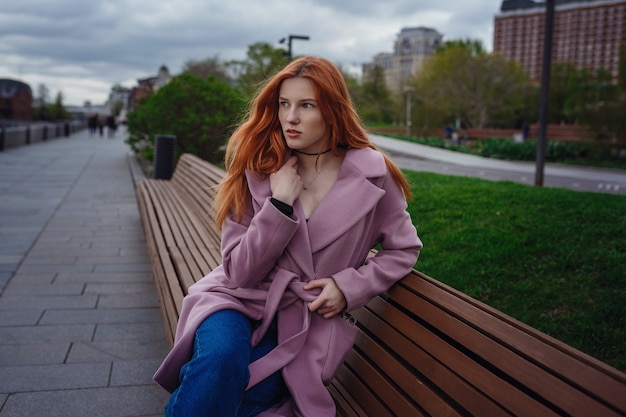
column 292, row 133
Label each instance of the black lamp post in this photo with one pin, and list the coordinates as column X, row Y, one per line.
column 289, row 39
column 545, row 91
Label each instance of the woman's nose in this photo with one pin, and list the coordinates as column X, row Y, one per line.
column 292, row 116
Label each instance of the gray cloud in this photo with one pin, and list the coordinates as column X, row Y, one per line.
column 83, row 48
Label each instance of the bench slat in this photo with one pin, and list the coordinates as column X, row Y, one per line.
column 170, row 295
column 438, row 377
column 361, row 397
column 398, row 386
column 552, row 372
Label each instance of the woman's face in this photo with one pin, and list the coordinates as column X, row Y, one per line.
column 304, row 127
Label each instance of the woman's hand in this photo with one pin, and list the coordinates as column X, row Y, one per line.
column 285, row 183
column 331, row 300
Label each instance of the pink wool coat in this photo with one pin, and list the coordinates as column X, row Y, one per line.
column 268, row 257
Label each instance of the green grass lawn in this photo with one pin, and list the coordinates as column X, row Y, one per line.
column 552, row 258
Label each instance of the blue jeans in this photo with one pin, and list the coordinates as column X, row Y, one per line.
column 213, row 382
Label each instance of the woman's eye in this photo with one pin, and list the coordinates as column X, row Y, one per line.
column 283, row 104
column 307, row 105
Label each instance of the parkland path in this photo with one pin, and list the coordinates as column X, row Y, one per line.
column 81, row 332
column 417, row 157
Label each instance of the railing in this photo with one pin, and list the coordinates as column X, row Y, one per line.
column 13, row 137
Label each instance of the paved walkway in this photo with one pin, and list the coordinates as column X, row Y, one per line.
column 81, row 332
column 417, row 157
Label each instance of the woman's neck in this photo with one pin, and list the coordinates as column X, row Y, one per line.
column 313, row 163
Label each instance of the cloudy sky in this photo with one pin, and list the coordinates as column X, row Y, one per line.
column 82, row 48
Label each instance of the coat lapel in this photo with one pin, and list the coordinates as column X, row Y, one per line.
column 351, row 197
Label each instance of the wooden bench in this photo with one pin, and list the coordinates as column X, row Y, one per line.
column 424, row 348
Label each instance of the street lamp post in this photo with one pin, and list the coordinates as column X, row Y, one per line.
column 544, row 94
column 289, row 39
column 408, row 91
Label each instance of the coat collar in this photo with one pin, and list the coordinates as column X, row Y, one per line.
column 354, row 194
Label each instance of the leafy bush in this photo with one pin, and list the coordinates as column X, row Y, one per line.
column 200, row 112
column 500, row 148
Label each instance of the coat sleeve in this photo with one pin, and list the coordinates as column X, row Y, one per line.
column 250, row 248
column 399, row 250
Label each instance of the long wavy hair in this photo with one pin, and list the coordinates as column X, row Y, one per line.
column 258, row 144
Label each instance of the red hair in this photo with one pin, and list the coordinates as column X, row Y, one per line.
column 258, row 144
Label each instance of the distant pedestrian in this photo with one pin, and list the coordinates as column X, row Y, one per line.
column 525, row 130
column 92, row 123
column 111, row 126
column 101, row 125
column 448, row 131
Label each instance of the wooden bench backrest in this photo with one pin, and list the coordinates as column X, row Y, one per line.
column 180, row 228
column 425, row 346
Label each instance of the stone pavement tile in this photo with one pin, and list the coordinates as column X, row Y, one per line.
column 9, row 262
column 34, row 354
column 40, row 251
column 8, row 268
column 127, row 332
column 19, row 288
column 117, row 259
column 138, row 250
column 20, row 317
column 120, row 288
column 46, row 334
column 34, row 278
column 104, row 277
column 134, row 300
column 101, row 315
column 119, row 350
column 63, row 301
column 141, row 267
column 135, row 401
column 126, row 373
column 54, row 377
column 49, row 260
column 4, row 279
column 45, row 268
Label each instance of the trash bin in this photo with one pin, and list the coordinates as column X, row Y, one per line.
column 164, row 156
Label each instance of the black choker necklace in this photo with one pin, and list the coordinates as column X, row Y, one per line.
column 311, row 154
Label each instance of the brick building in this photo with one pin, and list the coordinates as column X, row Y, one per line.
column 16, row 100
column 145, row 86
column 585, row 32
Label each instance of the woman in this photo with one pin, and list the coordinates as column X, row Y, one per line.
column 305, row 199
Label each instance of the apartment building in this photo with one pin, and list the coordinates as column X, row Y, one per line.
column 411, row 48
column 585, row 32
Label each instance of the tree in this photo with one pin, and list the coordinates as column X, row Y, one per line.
column 199, row 111
column 262, row 62
column 474, row 46
column 376, row 102
column 207, row 67
column 57, row 111
column 43, row 97
column 116, row 107
column 462, row 81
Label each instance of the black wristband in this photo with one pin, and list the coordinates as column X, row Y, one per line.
column 284, row 208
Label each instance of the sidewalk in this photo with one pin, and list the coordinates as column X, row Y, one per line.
column 81, row 331
column 417, row 157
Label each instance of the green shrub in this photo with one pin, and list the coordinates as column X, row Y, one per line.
column 200, row 112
